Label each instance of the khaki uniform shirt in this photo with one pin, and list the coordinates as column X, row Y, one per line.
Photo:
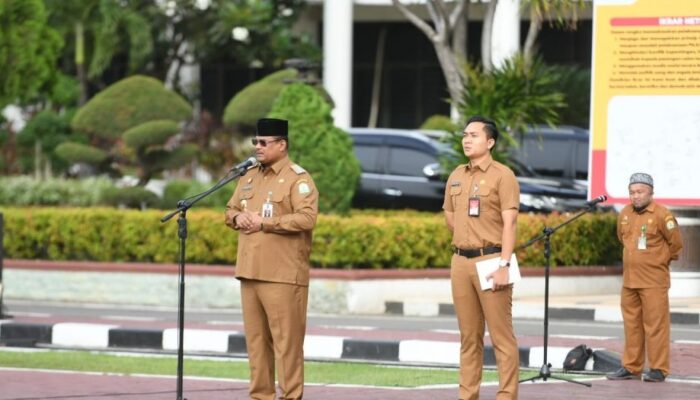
column 648, row 268
column 280, row 252
column 497, row 189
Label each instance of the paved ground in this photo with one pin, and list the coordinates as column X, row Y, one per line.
column 685, row 354
column 33, row 384
column 22, row 385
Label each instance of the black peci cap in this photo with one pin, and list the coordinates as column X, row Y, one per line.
column 272, row 127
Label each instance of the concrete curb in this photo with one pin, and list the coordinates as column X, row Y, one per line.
column 198, row 341
column 533, row 311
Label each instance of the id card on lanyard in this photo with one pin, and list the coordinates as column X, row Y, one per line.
column 474, row 202
column 642, row 241
column 267, row 209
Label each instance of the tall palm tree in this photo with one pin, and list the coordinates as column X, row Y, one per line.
column 107, row 27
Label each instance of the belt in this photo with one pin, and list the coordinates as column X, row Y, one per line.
column 471, row 253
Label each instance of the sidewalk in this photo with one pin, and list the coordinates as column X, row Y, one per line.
column 603, row 308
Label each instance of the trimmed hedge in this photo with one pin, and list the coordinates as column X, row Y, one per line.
column 362, row 240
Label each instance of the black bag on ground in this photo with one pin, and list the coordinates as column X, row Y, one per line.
column 576, row 358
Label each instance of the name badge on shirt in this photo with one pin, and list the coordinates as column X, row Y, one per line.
column 267, row 209
column 642, row 241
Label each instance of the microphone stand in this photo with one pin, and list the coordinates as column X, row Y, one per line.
column 546, row 234
column 182, row 207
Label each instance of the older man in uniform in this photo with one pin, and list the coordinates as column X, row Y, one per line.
column 481, row 209
column 651, row 239
column 274, row 208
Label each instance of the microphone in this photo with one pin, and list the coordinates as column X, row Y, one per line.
column 245, row 164
column 597, row 200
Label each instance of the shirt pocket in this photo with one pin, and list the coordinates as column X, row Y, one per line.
column 488, row 199
column 455, row 194
column 281, row 201
column 625, row 230
column 653, row 233
column 247, row 200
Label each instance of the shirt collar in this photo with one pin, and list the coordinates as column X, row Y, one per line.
column 277, row 166
column 650, row 208
column 483, row 165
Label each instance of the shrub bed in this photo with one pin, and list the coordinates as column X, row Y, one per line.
column 360, row 240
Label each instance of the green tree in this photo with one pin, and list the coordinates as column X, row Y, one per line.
column 98, row 30
column 575, row 84
column 515, row 96
column 38, row 140
column 29, row 49
column 259, row 32
column 132, row 122
column 316, row 144
column 562, row 13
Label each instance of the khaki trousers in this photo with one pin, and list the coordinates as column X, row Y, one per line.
column 474, row 307
column 274, row 317
column 647, row 321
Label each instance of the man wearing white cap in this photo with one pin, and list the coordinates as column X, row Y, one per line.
column 651, row 239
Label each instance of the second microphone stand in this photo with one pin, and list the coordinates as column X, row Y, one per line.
column 545, row 372
column 182, row 207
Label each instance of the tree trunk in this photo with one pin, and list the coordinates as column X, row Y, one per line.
column 9, row 150
column 531, row 39
column 48, row 168
column 486, row 36
column 448, row 63
column 377, row 80
column 80, row 62
column 460, row 37
column 37, row 159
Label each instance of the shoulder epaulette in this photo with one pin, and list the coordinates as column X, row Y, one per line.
column 299, row 170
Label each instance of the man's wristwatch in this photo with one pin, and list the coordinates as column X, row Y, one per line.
column 504, row 263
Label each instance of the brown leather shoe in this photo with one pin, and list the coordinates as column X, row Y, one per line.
column 621, row 374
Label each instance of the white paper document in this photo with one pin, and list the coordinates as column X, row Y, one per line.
column 483, row 268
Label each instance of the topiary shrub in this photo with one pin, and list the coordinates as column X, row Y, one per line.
column 150, row 133
column 255, row 100
column 140, row 112
column 318, row 146
column 81, row 153
column 128, row 103
column 439, row 123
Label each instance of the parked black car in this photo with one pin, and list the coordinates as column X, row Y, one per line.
column 557, row 152
column 400, row 169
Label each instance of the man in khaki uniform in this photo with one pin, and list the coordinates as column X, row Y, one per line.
column 274, row 208
column 481, row 209
column 651, row 239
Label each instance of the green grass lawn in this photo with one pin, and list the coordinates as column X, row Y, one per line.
column 315, row 372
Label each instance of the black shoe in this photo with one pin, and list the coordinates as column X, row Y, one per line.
column 654, row 375
column 621, row 374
